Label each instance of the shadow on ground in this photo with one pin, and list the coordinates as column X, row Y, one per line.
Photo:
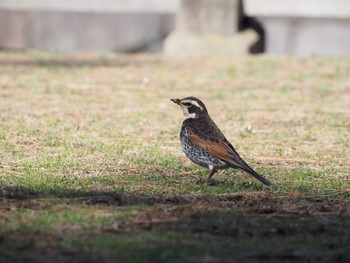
column 256, row 226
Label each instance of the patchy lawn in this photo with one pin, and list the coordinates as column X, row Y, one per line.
column 91, row 168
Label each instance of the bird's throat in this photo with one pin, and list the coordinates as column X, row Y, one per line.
column 190, row 116
column 187, row 114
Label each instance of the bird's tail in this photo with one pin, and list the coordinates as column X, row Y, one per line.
column 239, row 163
column 249, row 170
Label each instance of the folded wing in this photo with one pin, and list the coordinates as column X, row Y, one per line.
column 223, row 150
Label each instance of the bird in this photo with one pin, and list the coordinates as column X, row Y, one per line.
column 204, row 143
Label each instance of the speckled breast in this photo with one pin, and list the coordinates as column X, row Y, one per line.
column 199, row 155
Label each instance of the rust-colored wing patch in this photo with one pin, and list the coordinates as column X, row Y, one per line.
column 217, row 149
column 224, row 151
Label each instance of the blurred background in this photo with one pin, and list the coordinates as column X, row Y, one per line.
column 91, row 167
column 175, row 27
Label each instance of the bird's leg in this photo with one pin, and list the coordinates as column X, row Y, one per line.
column 212, row 172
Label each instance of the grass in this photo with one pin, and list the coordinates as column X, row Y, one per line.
column 91, row 169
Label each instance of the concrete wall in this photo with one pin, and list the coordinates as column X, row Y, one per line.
column 304, row 27
column 88, row 25
column 96, row 6
column 305, row 36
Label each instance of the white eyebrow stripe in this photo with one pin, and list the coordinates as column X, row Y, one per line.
column 193, row 102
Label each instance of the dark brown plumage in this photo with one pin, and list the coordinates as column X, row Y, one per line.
column 204, row 143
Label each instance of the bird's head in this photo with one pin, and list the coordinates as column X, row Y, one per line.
column 191, row 107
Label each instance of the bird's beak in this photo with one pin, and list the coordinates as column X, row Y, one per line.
column 177, row 101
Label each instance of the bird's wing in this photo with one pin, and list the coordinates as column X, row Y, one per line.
column 218, row 148
column 223, row 150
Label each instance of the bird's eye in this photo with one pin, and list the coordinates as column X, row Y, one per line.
column 187, row 104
